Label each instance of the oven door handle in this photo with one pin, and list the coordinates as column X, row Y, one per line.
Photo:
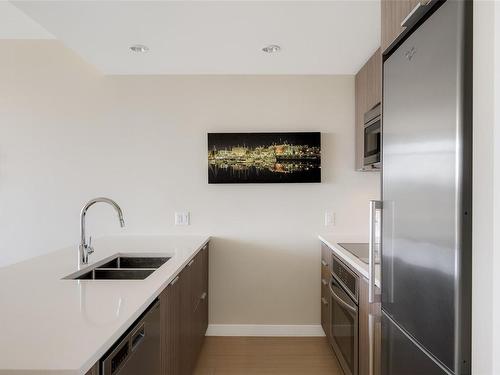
column 372, row 121
column 339, row 299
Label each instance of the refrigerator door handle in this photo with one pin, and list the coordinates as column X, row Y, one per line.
column 374, row 206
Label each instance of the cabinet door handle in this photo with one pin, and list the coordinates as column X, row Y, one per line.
column 416, row 13
column 324, row 282
column 203, row 296
column 138, row 337
column 174, row 280
column 323, row 263
column 324, row 301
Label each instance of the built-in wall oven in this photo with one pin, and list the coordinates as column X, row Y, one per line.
column 344, row 287
column 372, row 138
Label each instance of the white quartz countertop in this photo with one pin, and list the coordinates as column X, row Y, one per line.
column 53, row 326
column 332, row 241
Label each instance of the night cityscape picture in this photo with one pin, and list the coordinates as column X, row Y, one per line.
column 235, row 158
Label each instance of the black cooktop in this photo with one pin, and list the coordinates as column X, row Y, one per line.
column 361, row 250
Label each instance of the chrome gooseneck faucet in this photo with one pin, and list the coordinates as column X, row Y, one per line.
column 86, row 249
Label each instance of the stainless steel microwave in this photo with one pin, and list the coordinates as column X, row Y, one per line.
column 372, row 138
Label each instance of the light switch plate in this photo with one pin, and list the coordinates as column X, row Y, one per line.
column 329, row 218
column 182, row 218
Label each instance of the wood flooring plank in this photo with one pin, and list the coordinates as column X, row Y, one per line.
column 267, row 356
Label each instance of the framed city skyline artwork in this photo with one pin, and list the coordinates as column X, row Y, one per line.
column 235, row 158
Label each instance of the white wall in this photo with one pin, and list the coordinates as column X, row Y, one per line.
column 496, row 206
column 68, row 134
column 486, row 194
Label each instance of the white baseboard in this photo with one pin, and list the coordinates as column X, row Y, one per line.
column 313, row 330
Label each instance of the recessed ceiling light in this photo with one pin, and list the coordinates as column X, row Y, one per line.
column 139, row 48
column 272, row 48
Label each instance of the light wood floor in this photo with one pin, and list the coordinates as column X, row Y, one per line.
column 267, row 356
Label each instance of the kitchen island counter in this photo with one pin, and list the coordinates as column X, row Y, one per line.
column 52, row 325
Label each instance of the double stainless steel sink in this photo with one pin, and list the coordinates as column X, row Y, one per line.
column 121, row 267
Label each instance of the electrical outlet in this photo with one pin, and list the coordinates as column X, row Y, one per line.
column 329, row 219
column 182, row 218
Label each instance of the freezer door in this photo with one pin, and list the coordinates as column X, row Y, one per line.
column 421, row 184
column 400, row 356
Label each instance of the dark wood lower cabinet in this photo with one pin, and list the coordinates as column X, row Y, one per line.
column 184, row 309
column 326, row 259
column 325, row 310
column 200, row 299
column 203, row 307
column 186, row 350
column 170, row 326
column 94, row 370
column 184, row 318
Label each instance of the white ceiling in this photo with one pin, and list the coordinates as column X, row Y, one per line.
column 14, row 24
column 214, row 37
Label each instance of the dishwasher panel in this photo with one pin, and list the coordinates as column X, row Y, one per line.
column 138, row 352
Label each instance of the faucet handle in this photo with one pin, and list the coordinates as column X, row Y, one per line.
column 90, row 249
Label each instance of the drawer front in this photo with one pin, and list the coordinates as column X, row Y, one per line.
column 326, row 261
column 326, row 266
column 325, row 311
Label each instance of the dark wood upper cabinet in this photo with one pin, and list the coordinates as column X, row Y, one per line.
column 368, row 93
column 393, row 12
column 374, row 79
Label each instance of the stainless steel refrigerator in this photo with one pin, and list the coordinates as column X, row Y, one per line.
column 426, row 196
